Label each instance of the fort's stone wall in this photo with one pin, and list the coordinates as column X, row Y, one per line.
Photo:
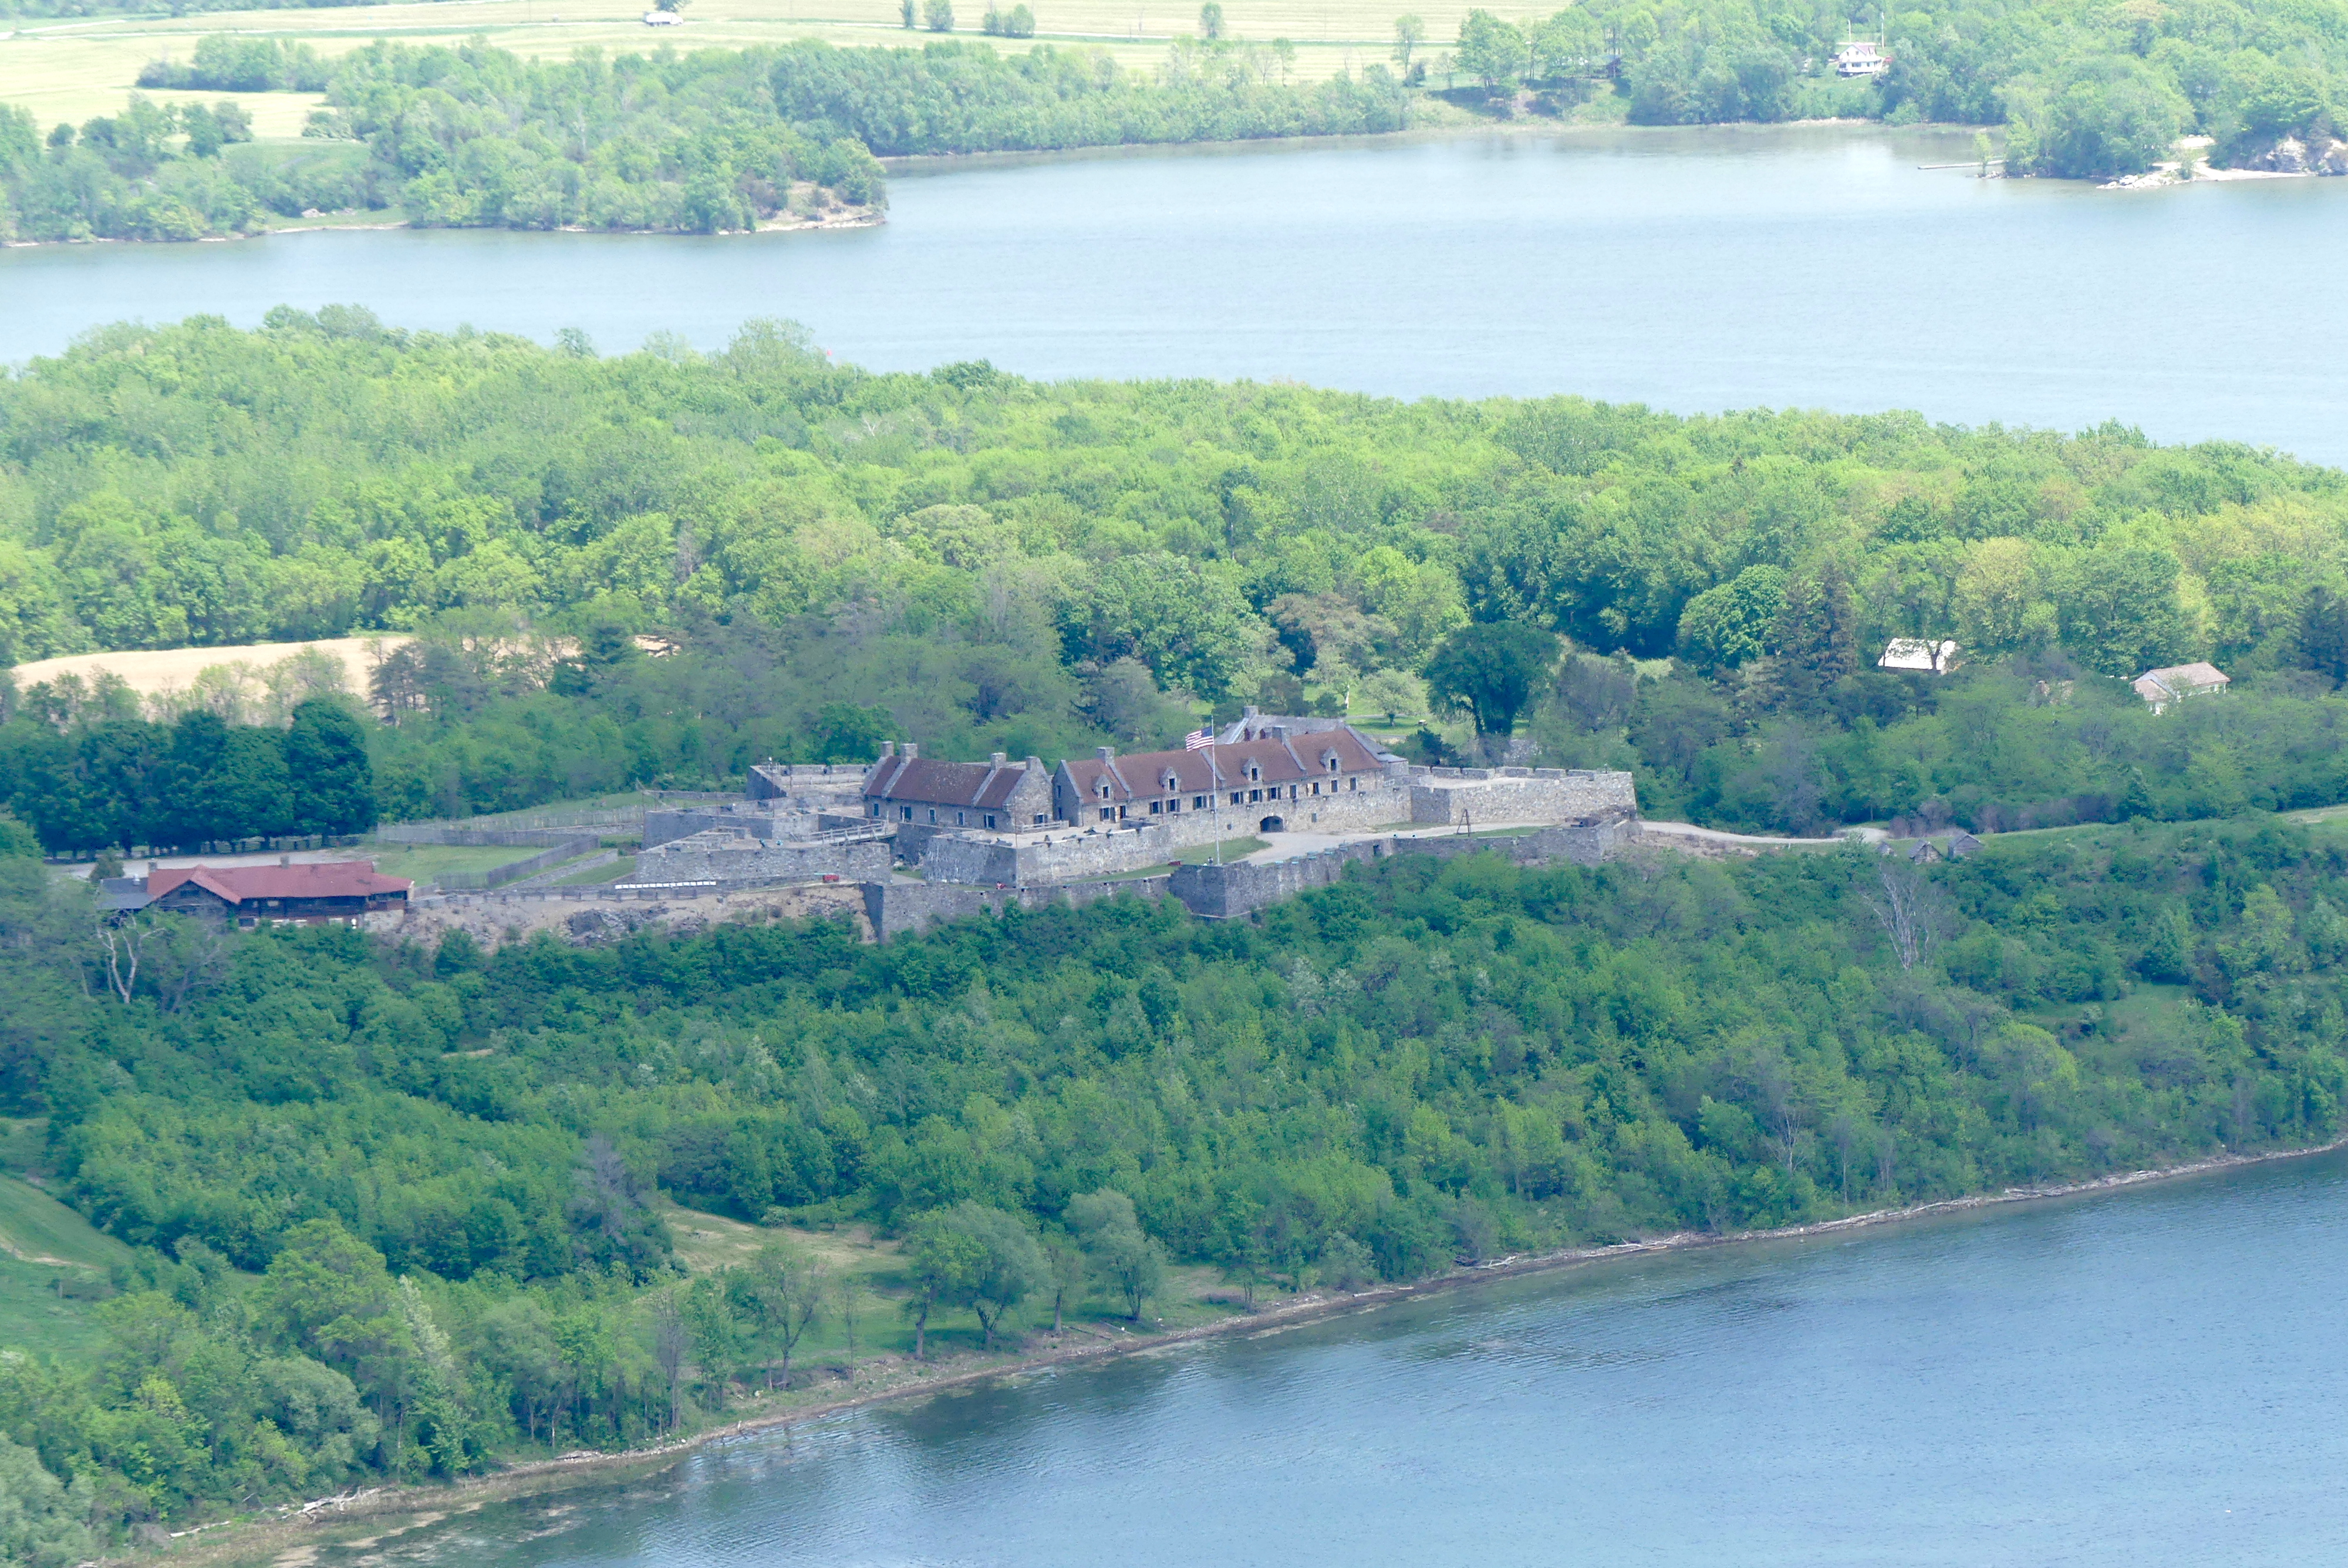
column 1227, row 892
column 1065, row 854
column 753, row 819
column 810, row 785
column 735, row 857
column 895, row 908
column 1022, row 859
column 1469, row 796
column 1381, row 802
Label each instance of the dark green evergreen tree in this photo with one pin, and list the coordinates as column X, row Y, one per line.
column 2323, row 633
column 333, row 783
column 1816, row 637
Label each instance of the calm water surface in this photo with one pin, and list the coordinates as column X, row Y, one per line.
column 1692, row 270
column 2150, row 1377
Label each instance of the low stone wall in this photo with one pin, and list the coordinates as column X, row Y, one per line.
column 1025, row 859
column 724, row 857
column 1468, row 796
column 562, row 849
column 667, row 826
column 1583, row 843
column 896, row 909
column 482, row 837
column 1227, row 892
column 546, row 878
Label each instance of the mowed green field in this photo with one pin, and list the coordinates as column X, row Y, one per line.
column 37, row 1315
column 36, row 1228
column 52, row 1263
column 422, row 864
column 70, row 70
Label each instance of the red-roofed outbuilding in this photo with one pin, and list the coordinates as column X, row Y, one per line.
column 329, row 890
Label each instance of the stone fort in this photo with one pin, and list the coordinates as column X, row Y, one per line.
column 1318, row 785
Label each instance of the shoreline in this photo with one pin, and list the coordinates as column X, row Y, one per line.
column 283, row 1536
column 851, row 217
column 918, row 165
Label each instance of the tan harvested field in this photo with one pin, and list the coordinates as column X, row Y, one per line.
column 148, row 671
column 70, row 70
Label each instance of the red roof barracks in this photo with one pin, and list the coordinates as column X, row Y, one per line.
column 336, row 890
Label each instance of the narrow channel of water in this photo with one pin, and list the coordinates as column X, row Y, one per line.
column 1695, row 270
column 2149, row 1376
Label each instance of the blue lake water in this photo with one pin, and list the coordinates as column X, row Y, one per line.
column 1697, row 270
column 2144, row 1377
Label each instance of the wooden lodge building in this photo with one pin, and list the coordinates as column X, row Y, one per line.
column 309, row 892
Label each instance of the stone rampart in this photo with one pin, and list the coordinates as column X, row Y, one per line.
column 729, row 857
column 751, row 819
column 1583, row 843
column 810, row 785
column 1024, row 859
column 1469, row 796
column 1065, row 854
column 482, row 837
column 1227, row 892
column 897, row 908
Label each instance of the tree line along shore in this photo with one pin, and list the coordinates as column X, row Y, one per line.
column 717, row 140
column 401, row 1213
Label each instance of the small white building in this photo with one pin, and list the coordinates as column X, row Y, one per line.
column 1860, row 57
column 1915, row 653
column 663, row 19
column 2160, row 687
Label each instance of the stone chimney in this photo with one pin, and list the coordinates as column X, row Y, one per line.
column 284, row 860
column 1103, row 753
column 1034, row 764
column 998, row 759
column 888, row 750
column 911, row 751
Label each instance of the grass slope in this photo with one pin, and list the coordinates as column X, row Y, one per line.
column 36, row 1228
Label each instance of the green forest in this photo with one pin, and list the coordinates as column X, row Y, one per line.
column 718, row 141
column 395, row 1205
column 707, row 142
column 2085, row 90
column 985, row 563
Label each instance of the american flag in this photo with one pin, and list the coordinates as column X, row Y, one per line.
column 1198, row 740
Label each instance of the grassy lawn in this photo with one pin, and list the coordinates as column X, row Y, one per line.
column 45, row 1306
column 47, row 1310
column 69, row 69
column 1232, row 849
column 36, row 1227
column 426, row 862
column 597, row 876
